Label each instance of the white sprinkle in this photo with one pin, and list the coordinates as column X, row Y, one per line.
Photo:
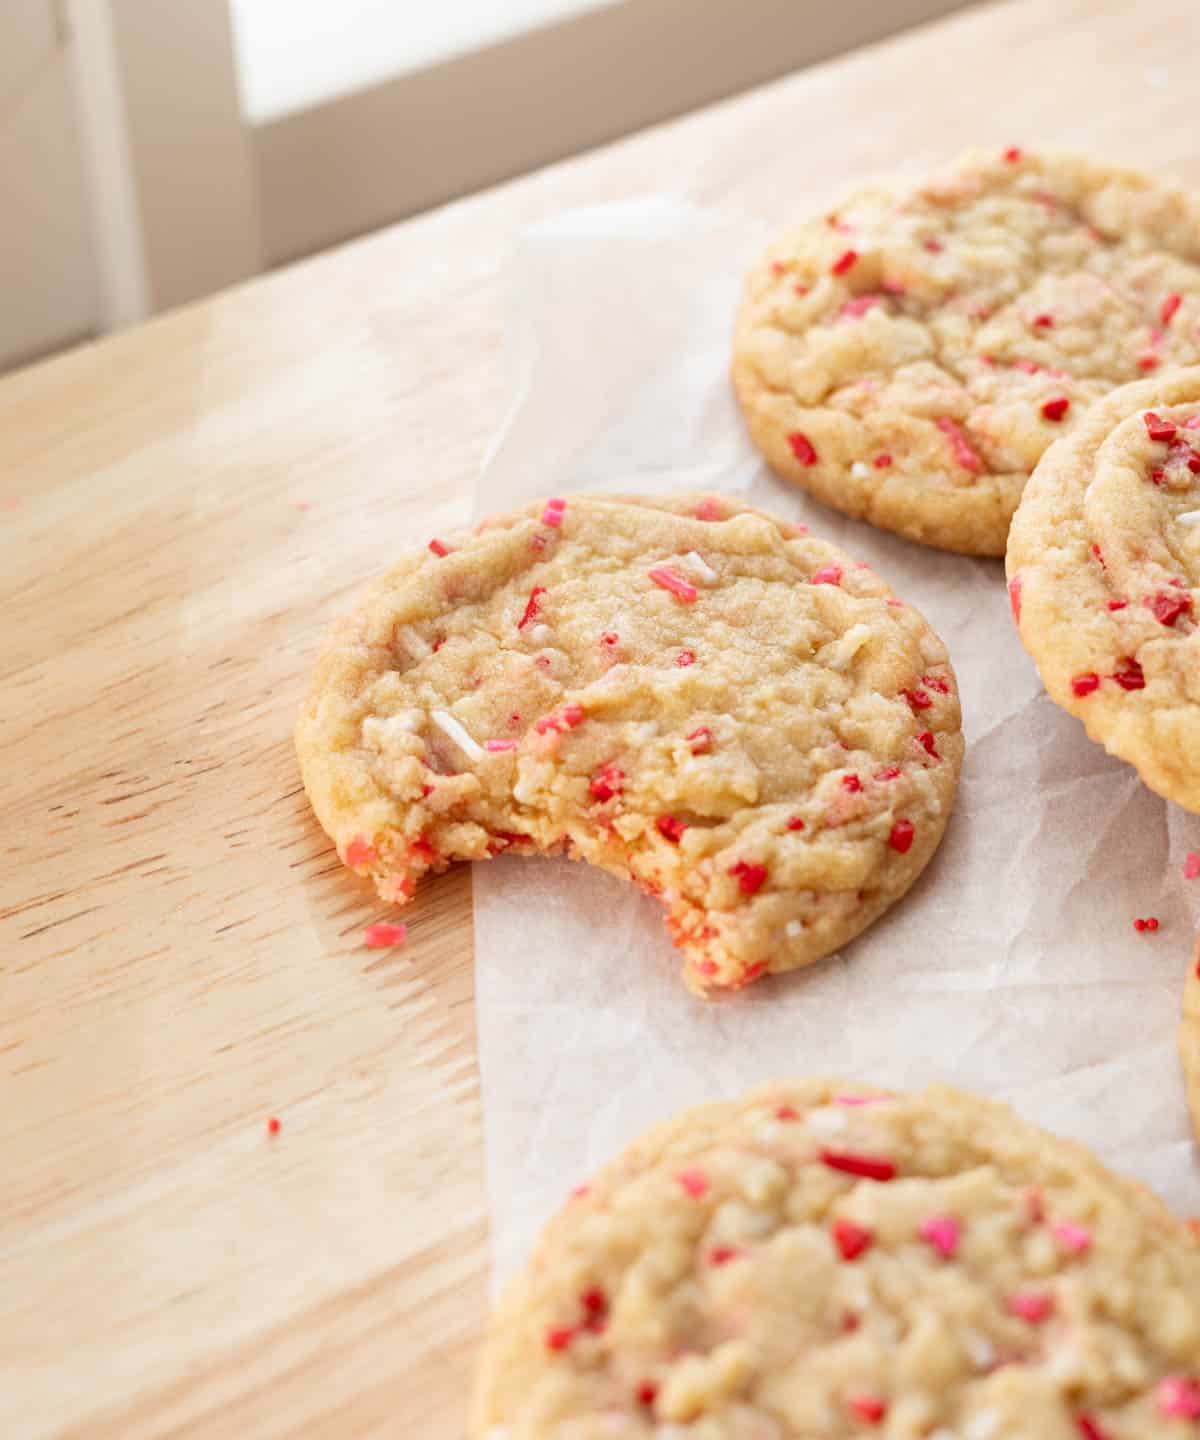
column 377, row 731
column 448, row 725
column 979, row 1348
column 408, row 639
column 539, row 634
column 860, row 471
column 699, row 568
column 793, row 929
column 1190, row 517
column 826, row 1121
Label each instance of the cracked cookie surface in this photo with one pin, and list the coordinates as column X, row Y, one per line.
column 686, row 692
column 909, row 357
column 1104, row 578
column 819, row 1261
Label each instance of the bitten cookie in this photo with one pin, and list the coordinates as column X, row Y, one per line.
column 818, row 1261
column 909, row 357
column 1189, row 1039
column 688, row 693
column 1104, row 570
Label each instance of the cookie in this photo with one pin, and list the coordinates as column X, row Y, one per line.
column 909, row 357
column 1104, row 577
column 1189, row 1039
column 688, row 693
column 815, row 1261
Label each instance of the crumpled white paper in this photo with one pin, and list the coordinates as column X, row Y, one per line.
column 1012, row 967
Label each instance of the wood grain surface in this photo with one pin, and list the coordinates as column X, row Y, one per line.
column 183, row 509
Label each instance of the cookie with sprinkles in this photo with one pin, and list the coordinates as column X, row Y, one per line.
column 909, row 357
column 686, row 692
column 1189, row 1039
column 1104, row 577
column 818, row 1259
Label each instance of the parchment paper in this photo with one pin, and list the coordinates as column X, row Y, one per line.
column 1012, row 967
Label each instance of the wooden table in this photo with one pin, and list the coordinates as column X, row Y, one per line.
column 185, row 507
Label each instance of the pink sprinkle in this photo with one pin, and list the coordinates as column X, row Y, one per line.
column 1014, row 596
column 943, row 1232
column 893, row 287
column 438, row 548
column 532, row 606
column 685, row 658
column 926, row 741
column 709, row 509
column 845, row 1098
column 851, row 1240
column 1082, row 685
column 667, row 579
column 360, row 851
column 610, row 638
column 827, row 575
column 1179, row 1398
column 723, row 1254
column 1035, row 1206
column 706, row 967
column 844, row 262
column 553, row 513
column 1169, row 307
column 867, row 1167
column 777, row 267
column 1157, row 428
column 580, row 1191
column 1033, row 1306
column 869, row 1408
column 1055, row 409
column 882, row 460
column 852, row 783
column 787, row 1112
column 1192, row 422
column 935, row 682
column 699, row 740
column 694, row 1181
column 607, row 782
column 559, row 721
column 963, row 453
column 901, row 838
column 889, row 772
column 495, row 746
column 859, row 305
column 795, row 823
column 1191, row 866
column 802, row 448
column 750, row 877
column 935, row 247
column 380, row 936
column 670, row 828
column 799, row 289
column 1030, row 367
column 1075, row 1238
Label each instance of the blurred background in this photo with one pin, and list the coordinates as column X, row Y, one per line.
column 153, row 151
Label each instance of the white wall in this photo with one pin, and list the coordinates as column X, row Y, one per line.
column 48, row 294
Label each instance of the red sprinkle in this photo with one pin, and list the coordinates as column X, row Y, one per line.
column 559, row 721
column 943, row 1232
column 851, row 1239
column 723, row 1254
column 777, row 267
column 852, row 783
column 926, row 741
column 1157, row 428
column 869, row 1408
column 1148, row 362
column 935, row 682
column 1191, row 866
column 1013, row 154
column 709, row 509
column 1014, row 596
column 667, row 579
column 1055, row 409
column 685, row 658
column 694, row 1181
column 868, row 1167
column 750, row 876
column 1118, row 604
column 438, row 548
column 787, row 1112
column 553, row 513
column 827, row 575
column 917, row 699
column 1033, row 1306
column 844, row 262
column 963, row 453
column 378, row 937
column 795, row 823
column 1089, row 1427
column 360, row 851
column 901, row 838
column 646, row 1393
column 802, row 448
column 889, row 772
column 273, row 1125
column 700, row 740
column 610, row 638
column 1082, row 685
column 1178, row 1397
column 1149, row 923
column 1131, row 677
column 1043, row 321
column 558, row 1337
column 882, row 460
column 1169, row 307
column 607, row 782
column 670, row 828
column 533, row 605
column 1167, row 608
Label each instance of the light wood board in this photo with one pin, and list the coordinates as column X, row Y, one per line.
column 181, row 950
